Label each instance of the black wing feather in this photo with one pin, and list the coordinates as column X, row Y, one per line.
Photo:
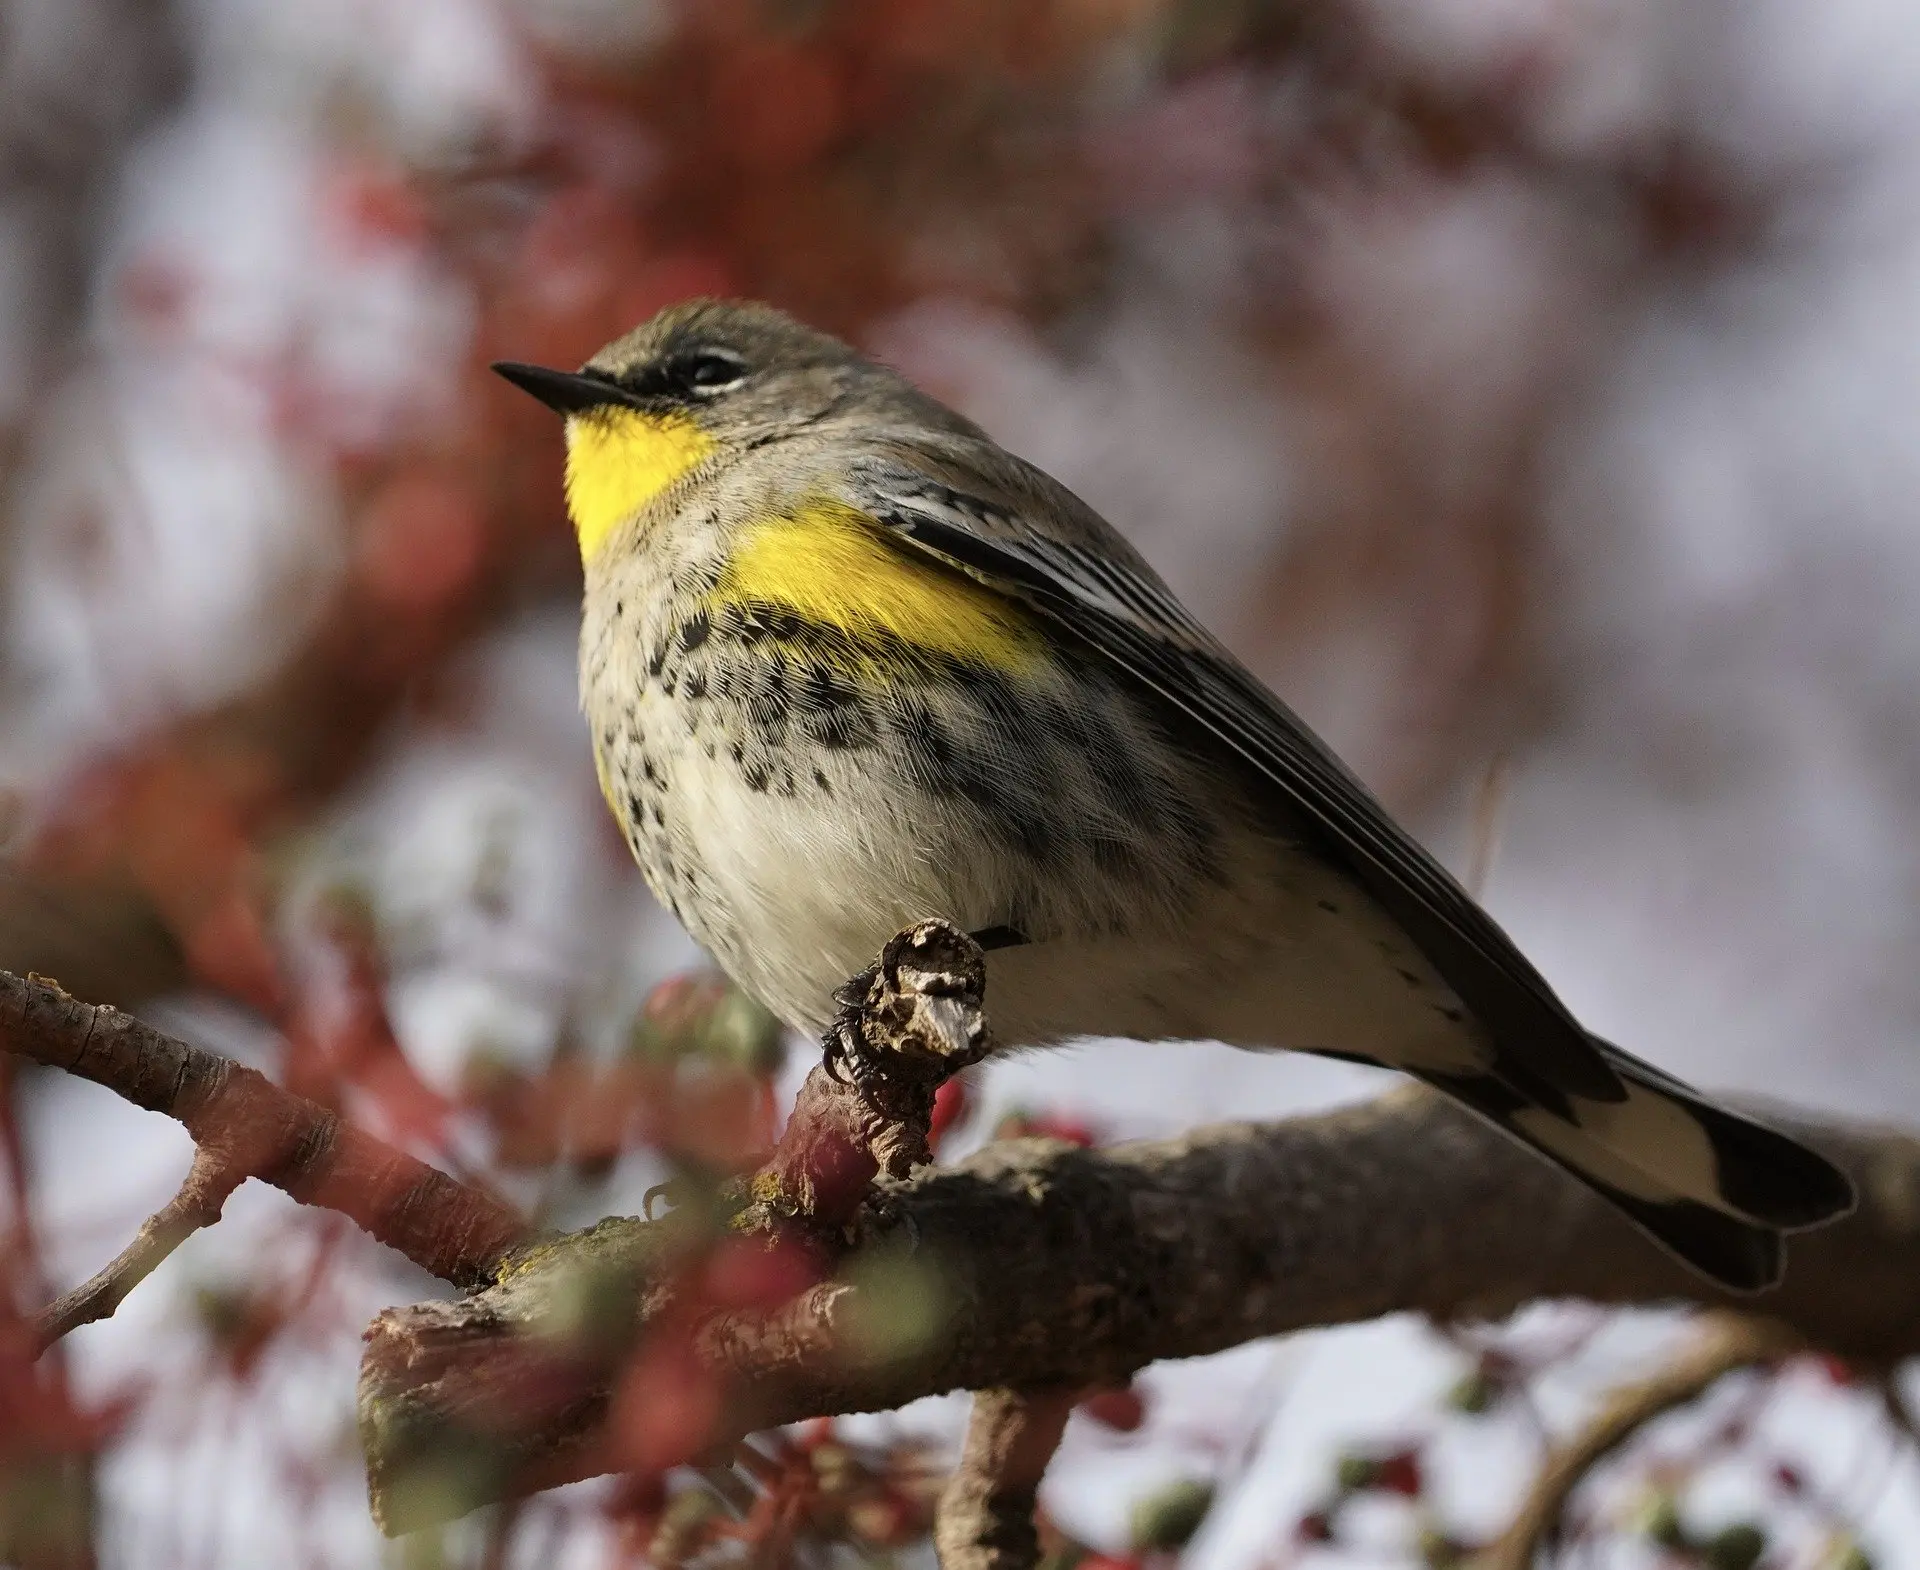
column 1135, row 621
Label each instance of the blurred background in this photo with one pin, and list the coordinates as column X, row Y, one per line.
column 1528, row 389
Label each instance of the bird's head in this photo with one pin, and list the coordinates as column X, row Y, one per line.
column 698, row 383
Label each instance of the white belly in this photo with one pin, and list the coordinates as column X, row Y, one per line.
column 800, row 891
column 1167, row 910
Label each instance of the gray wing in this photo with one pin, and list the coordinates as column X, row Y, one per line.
column 1081, row 577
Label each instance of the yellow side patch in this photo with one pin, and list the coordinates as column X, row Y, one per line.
column 618, row 460
column 830, row 563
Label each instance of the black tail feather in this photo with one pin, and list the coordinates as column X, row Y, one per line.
column 1762, row 1183
column 1764, row 1175
column 1737, row 1254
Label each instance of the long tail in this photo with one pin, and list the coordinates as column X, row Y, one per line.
column 1715, row 1188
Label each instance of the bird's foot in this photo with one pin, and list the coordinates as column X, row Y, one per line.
column 844, row 1052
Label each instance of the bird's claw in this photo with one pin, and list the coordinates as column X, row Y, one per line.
column 843, row 1051
column 853, row 993
column 844, row 1055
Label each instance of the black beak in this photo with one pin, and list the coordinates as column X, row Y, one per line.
column 567, row 392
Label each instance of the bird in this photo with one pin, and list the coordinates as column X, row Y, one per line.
column 849, row 664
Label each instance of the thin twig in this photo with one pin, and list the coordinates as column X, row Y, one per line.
column 1725, row 1342
column 244, row 1125
column 1489, row 815
column 198, row 1204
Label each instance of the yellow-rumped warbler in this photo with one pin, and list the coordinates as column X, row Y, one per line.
column 849, row 664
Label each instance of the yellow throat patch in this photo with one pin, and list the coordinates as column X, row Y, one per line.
column 618, row 460
column 831, row 564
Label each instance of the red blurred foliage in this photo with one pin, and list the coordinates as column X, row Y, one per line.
column 719, row 1122
column 1123, row 1410
column 228, row 949
column 339, row 1039
column 157, row 291
column 666, row 1407
column 1836, row 1371
column 785, row 104
column 681, row 1089
column 952, row 1103
column 39, row 1417
column 373, row 204
column 675, row 1008
column 811, row 1490
column 755, row 1273
column 634, row 1509
column 419, row 545
column 180, row 825
column 1399, row 1472
column 799, row 162
column 1314, row 1527
column 667, row 1402
column 244, row 1322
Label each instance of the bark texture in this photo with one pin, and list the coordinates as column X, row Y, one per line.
column 986, row 1517
column 1037, row 1265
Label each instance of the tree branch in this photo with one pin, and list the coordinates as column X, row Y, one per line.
column 1035, row 1264
column 907, row 1025
column 1033, row 1267
column 245, row 1126
column 198, row 1204
column 986, row 1514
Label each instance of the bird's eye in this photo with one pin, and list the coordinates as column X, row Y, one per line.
column 707, row 371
